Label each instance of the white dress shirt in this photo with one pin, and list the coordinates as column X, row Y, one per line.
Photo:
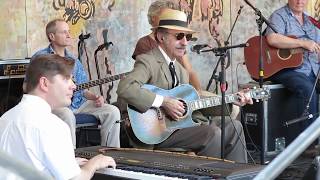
column 30, row 133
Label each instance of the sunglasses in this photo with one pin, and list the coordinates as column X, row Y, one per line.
column 180, row 36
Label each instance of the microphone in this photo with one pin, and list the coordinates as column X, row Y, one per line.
column 196, row 48
column 219, row 49
column 84, row 37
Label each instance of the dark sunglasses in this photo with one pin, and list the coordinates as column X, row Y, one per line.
column 180, row 36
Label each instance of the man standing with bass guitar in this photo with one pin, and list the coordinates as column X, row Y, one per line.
column 291, row 20
column 158, row 67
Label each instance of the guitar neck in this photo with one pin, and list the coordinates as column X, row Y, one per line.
column 212, row 101
column 100, row 81
column 230, row 98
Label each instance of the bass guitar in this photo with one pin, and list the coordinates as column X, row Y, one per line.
column 274, row 59
column 154, row 126
column 99, row 81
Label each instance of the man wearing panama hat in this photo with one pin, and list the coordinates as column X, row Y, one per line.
column 172, row 36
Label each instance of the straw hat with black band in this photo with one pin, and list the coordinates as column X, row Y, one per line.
column 173, row 19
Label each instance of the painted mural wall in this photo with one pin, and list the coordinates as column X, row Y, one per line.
column 119, row 23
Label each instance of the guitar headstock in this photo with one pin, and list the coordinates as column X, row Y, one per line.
column 260, row 93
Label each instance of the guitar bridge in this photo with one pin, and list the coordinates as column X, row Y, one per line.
column 159, row 113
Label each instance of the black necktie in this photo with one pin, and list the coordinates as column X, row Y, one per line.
column 173, row 74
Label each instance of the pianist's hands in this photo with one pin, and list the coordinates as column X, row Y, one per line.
column 102, row 161
column 81, row 161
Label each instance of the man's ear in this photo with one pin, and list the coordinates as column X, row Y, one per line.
column 44, row 84
column 159, row 37
column 51, row 36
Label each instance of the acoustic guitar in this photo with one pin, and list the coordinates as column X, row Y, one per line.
column 154, row 126
column 274, row 59
column 100, row 81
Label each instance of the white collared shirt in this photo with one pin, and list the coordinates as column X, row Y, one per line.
column 159, row 99
column 32, row 134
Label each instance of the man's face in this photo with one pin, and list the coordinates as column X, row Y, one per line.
column 172, row 44
column 297, row 6
column 62, row 35
column 60, row 91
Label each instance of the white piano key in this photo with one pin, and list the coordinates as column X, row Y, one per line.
column 134, row 175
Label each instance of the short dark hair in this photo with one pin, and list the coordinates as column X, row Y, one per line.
column 47, row 66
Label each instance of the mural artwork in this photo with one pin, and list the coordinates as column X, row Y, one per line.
column 75, row 9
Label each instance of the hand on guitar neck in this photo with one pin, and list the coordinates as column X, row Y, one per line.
column 243, row 98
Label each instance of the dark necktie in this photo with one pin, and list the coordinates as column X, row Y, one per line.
column 173, row 74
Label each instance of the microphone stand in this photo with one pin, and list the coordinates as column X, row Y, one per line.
column 226, row 43
column 222, row 52
column 100, row 48
column 306, row 115
column 223, row 84
column 82, row 45
column 260, row 22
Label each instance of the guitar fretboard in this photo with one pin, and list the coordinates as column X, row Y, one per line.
column 210, row 102
column 231, row 98
column 100, row 81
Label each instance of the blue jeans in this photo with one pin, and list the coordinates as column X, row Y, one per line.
column 301, row 85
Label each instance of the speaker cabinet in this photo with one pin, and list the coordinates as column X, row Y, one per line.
column 281, row 107
column 10, row 92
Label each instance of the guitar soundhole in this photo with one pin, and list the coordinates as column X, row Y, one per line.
column 185, row 106
column 284, row 54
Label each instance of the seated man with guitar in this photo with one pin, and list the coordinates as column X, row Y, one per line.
column 291, row 20
column 158, row 110
column 83, row 101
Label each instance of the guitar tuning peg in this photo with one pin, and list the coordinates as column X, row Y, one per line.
column 257, row 100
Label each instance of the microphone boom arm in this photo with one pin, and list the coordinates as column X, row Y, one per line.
column 223, row 49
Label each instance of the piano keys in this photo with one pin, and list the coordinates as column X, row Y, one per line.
column 150, row 164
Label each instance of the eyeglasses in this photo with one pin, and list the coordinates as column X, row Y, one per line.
column 63, row 32
column 180, row 36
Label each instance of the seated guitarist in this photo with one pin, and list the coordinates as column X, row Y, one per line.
column 290, row 20
column 172, row 37
column 83, row 101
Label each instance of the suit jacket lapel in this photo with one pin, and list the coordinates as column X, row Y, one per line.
column 164, row 67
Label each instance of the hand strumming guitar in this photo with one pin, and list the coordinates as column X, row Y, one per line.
column 173, row 107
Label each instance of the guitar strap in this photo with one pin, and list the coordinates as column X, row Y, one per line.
column 314, row 21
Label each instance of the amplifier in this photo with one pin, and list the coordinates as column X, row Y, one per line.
column 281, row 107
column 12, row 72
column 13, row 67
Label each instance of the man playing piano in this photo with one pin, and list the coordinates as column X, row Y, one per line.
column 35, row 136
